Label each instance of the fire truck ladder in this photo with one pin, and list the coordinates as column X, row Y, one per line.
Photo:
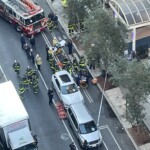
column 24, row 5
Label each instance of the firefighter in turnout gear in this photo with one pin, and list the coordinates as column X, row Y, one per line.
column 70, row 68
column 54, row 67
column 35, row 75
column 25, row 81
column 35, row 84
column 50, row 25
column 71, row 28
column 50, row 56
column 82, row 64
column 65, row 62
column 17, row 67
column 29, row 73
column 75, row 65
column 21, row 91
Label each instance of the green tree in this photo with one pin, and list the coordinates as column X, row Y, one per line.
column 78, row 9
column 107, row 34
column 134, row 77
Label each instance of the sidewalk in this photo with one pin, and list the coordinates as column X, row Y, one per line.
column 113, row 96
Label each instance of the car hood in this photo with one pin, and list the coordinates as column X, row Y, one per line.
column 72, row 98
column 90, row 137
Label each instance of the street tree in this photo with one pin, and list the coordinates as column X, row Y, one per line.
column 77, row 10
column 106, row 34
column 134, row 77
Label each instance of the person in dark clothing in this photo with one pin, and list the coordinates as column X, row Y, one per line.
column 72, row 146
column 50, row 95
column 78, row 78
column 47, row 56
column 22, row 40
column 55, row 20
column 32, row 41
column 85, row 144
column 32, row 56
column 27, row 50
column 69, row 45
column 35, row 140
column 51, row 16
column 92, row 64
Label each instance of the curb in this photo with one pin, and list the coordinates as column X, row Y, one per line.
column 118, row 116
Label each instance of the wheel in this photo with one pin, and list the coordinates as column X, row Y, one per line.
column 18, row 28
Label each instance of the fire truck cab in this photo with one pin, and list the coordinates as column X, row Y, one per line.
column 25, row 15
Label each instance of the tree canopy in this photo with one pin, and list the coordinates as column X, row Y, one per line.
column 134, row 77
column 107, row 34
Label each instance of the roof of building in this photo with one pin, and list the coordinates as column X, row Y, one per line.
column 134, row 13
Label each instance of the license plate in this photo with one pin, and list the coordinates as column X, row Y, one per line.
column 94, row 145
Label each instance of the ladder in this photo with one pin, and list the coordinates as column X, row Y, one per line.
column 24, row 5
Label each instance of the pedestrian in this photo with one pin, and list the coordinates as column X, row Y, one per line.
column 78, row 78
column 38, row 61
column 32, row 41
column 32, row 56
column 69, row 45
column 51, row 16
column 47, row 48
column 50, row 95
column 17, row 67
column 22, row 40
column 92, row 64
column 55, row 21
column 72, row 146
column 27, row 50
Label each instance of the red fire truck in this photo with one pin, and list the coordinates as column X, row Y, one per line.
column 25, row 15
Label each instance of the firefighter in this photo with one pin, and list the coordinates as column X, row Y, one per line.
column 55, row 41
column 25, row 81
column 54, row 67
column 17, row 67
column 71, row 28
column 29, row 73
column 75, row 65
column 82, row 64
column 35, row 84
column 70, row 68
column 64, row 3
column 21, row 90
column 35, row 75
column 50, row 56
column 50, row 25
column 65, row 62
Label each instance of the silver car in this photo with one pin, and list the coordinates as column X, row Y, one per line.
column 66, row 88
column 83, row 125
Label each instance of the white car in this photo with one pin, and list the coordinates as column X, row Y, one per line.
column 66, row 88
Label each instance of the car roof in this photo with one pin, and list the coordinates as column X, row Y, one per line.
column 81, row 113
column 64, row 77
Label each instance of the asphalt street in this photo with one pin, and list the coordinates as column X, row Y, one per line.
column 53, row 133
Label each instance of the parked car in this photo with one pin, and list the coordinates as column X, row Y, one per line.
column 66, row 88
column 83, row 125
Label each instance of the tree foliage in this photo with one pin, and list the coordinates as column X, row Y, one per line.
column 78, row 9
column 134, row 77
column 107, row 34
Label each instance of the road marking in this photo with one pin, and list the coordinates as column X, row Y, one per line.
column 48, row 43
column 3, row 74
column 65, row 136
column 105, row 145
column 107, row 127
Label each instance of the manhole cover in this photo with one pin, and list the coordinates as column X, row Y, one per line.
column 65, row 136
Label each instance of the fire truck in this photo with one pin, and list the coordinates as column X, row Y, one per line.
column 25, row 15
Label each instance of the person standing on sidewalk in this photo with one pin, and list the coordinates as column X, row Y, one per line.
column 50, row 95
column 38, row 61
column 23, row 41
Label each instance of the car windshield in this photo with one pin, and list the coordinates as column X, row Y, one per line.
column 68, row 89
column 27, row 147
column 87, row 127
column 34, row 19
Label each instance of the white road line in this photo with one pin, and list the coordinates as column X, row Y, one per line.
column 103, row 127
column 47, row 42
column 105, row 145
column 113, row 138
column 3, row 73
column 90, row 98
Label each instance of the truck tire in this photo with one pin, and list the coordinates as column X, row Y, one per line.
column 18, row 28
